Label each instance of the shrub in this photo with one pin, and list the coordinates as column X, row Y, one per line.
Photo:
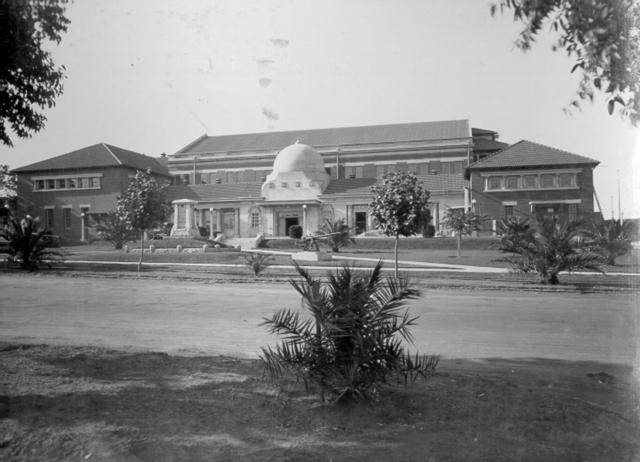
column 30, row 244
column 111, row 227
column 339, row 234
column 610, row 238
column 258, row 262
column 556, row 247
column 352, row 343
column 295, row 231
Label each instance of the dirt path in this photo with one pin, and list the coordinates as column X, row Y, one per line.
column 177, row 316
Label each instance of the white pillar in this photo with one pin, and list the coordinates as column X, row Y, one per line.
column 176, row 209
column 219, row 220
column 237, row 230
column 304, row 219
column 82, row 225
column 188, row 210
column 211, row 223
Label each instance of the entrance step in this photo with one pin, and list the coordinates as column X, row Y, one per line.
column 241, row 242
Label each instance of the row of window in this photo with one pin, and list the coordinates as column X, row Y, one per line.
column 572, row 211
column 259, row 176
column 531, row 181
column 47, row 184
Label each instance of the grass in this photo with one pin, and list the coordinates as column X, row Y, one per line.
column 64, row 403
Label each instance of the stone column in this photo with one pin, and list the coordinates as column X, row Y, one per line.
column 211, row 223
column 237, row 230
column 436, row 216
column 188, row 210
column 304, row 219
column 219, row 220
column 82, row 225
column 176, row 209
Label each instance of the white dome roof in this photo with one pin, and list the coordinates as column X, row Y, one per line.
column 298, row 157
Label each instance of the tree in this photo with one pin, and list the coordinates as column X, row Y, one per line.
column 113, row 227
column 29, row 243
column 601, row 35
column 399, row 207
column 28, row 76
column 338, row 234
column 352, row 343
column 8, row 183
column 462, row 223
column 557, row 246
column 611, row 238
column 142, row 206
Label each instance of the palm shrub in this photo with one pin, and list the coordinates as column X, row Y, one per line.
column 557, row 246
column 339, row 234
column 611, row 238
column 29, row 243
column 351, row 345
column 258, row 262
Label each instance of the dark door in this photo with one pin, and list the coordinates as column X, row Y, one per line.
column 361, row 222
column 289, row 222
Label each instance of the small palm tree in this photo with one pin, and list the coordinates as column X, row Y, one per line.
column 29, row 243
column 557, row 246
column 339, row 234
column 611, row 238
column 351, row 344
column 258, row 262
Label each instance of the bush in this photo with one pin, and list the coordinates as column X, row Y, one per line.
column 557, row 246
column 258, row 262
column 30, row 244
column 611, row 239
column 112, row 228
column 339, row 235
column 352, row 344
column 295, row 231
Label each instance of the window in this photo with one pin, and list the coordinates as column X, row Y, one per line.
column 48, row 218
column 218, row 180
column 298, row 184
column 85, row 183
column 509, row 210
column 71, row 183
column 547, row 180
column 359, row 172
column 530, row 181
column 494, row 182
column 66, row 215
column 186, row 178
column 284, row 184
column 254, row 219
column 95, row 182
column 566, row 180
column 51, row 184
column 380, row 171
column 573, row 212
column 39, row 185
column 62, row 183
column 512, row 182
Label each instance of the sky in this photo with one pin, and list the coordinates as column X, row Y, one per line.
column 154, row 75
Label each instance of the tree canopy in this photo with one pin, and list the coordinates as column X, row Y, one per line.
column 601, row 35
column 399, row 206
column 8, row 183
column 29, row 79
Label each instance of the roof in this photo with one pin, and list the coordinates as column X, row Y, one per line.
column 529, row 154
column 483, row 145
column 362, row 186
column 215, row 192
column 482, row 131
column 98, row 155
column 324, row 137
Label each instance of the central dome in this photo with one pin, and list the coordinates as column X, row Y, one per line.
column 298, row 157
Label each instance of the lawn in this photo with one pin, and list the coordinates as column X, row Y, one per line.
column 87, row 403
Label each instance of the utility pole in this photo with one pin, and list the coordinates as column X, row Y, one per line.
column 619, row 208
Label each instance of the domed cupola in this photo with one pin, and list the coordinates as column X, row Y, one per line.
column 298, row 174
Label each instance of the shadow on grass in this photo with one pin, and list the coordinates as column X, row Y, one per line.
column 63, row 403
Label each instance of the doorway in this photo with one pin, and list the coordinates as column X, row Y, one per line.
column 229, row 224
column 289, row 222
column 361, row 222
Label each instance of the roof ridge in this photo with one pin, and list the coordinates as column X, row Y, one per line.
column 111, row 152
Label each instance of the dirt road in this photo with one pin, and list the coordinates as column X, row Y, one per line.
column 192, row 317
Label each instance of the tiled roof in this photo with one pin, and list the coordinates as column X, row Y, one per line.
column 528, row 154
column 98, row 155
column 324, row 137
column 350, row 186
column 214, row 192
column 362, row 186
column 482, row 131
column 484, row 145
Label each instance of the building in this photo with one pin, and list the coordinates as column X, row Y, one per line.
column 65, row 190
column 532, row 180
column 263, row 183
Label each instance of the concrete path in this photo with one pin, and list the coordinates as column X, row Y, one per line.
column 225, row 318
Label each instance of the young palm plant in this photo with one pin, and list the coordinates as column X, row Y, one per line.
column 351, row 343
column 258, row 262
column 29, row 243
column 611, row 238
column 557, row 246
column 339, row 234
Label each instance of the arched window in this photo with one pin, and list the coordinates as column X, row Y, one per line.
column 254, row 218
